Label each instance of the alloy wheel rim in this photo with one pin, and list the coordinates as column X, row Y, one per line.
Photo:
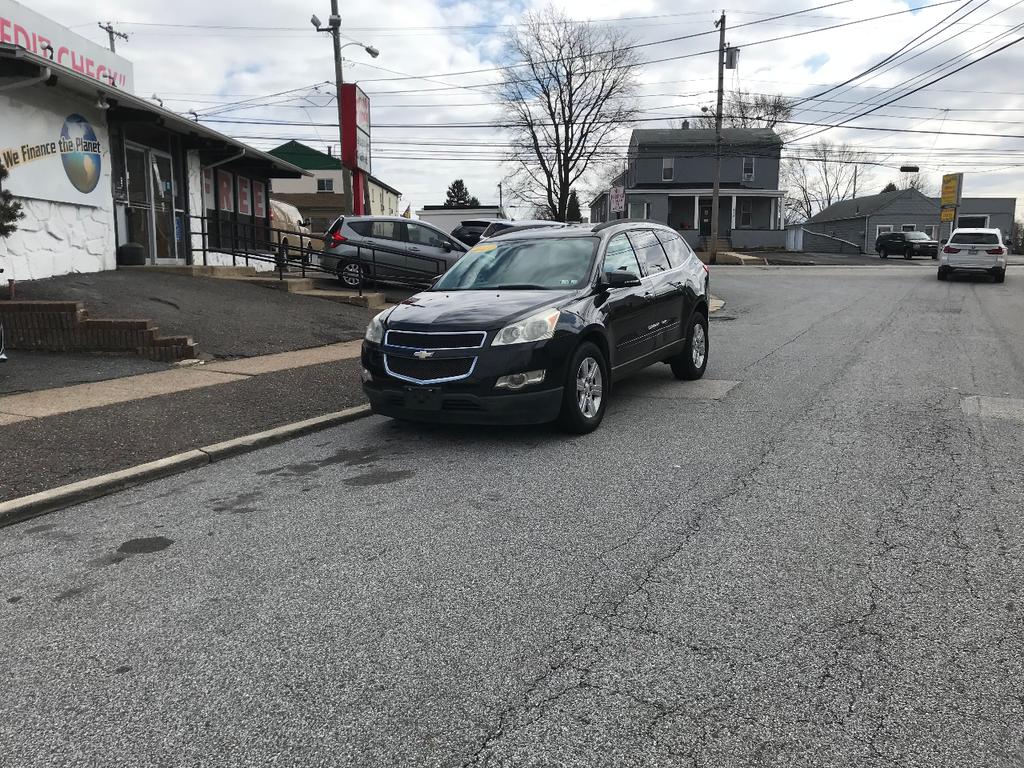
column 350, row 274
column 699, row 346
column 589, row 387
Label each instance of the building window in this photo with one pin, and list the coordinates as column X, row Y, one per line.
column 883, row 229
column 748, row 169
column 972, row 222
column 638, row 210
column 325, row 185
column 908, row 228
column 930, row 231
column 668, row 168
column 746, row 212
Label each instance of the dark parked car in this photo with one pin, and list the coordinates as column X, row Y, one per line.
column 537, row 326
column 471, row 230
column 499, row 226
column 388, row 248
column 906, row 244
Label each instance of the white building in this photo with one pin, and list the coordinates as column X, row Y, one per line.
column 99, row 171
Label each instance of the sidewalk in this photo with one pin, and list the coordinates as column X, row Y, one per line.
column 56, row 436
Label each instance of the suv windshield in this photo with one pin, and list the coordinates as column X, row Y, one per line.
column 542, row 264
column 917, row 236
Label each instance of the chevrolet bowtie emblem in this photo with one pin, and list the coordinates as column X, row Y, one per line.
column 423, row 354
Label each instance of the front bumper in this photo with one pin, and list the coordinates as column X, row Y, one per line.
column 452, row 407
column 470, row 398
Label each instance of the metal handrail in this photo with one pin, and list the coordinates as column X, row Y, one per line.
column 833, row 237
column 256, row 242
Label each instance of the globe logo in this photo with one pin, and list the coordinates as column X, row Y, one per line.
column 80, row 153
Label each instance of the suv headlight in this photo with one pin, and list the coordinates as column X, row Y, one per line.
column 375, row 330
column 534, row 328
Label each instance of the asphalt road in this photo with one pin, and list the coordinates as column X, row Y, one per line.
column 818, row 566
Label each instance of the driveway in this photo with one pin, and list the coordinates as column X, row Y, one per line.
column 810, row 558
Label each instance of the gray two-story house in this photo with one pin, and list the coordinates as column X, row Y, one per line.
column 670, row 178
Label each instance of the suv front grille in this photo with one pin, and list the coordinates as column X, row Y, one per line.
column 426, row 371
column 417, row 340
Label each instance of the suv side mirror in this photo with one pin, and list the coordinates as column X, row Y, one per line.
column 620, row 279
column 446, row 246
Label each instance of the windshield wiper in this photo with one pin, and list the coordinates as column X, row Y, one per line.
column 518, row 287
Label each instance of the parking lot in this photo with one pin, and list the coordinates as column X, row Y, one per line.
column 811, row 556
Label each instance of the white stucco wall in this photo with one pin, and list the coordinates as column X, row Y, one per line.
column 193, row 167
column 57, row 238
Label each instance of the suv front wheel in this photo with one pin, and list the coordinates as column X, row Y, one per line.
column 586, row 387
column 691, row 363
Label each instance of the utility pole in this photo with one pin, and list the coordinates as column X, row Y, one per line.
column 501, row 204
column 713, row 253
column 334, row 22
column 855, row 180
column 112, row 34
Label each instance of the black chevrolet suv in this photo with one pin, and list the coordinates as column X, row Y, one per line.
column 537, row 325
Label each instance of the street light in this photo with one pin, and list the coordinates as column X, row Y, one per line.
column 334, row 28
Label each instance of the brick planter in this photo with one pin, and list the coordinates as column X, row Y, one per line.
column 64, row 326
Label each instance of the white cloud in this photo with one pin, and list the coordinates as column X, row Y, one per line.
column 202, row 67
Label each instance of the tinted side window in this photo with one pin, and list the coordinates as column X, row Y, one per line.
column 423, row 236
column 620, row 256
column 677, row 250
column 649, row 251
column 364, row 228
column 387, row 230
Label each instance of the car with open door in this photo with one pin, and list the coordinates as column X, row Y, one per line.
column 388, row 249
column 539, row 325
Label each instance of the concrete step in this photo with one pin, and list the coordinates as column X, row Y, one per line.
column 289, row 284
column 370, row 300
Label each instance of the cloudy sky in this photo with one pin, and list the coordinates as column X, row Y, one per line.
column 208, row 56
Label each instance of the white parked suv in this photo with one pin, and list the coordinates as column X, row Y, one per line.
column 974, row 250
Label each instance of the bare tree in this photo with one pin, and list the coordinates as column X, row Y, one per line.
column 819, row 176
column 742, row 109
column 571, row 92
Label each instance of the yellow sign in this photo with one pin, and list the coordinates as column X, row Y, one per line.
column 947, row 214
column 951, row 189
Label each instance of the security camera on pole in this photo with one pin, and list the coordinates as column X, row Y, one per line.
column 334, row 27
column 727, row 59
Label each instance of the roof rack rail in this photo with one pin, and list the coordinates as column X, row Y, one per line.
column 606, row 224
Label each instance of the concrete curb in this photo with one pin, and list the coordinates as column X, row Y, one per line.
column 26, row 507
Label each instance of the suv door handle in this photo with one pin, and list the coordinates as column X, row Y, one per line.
column 414, row 248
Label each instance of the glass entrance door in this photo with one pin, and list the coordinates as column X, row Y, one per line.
column 150, row 212
column 162, row 186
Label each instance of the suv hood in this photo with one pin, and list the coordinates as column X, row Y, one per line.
column 471, row 310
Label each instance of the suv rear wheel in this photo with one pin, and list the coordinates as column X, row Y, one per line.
column 691, row 363
column 883, row 253
column 585, row 397
column 999, row 275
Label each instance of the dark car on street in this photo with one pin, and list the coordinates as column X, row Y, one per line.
column 538, row 325
column 471, row 230
column 388, row 249
column 906, row 244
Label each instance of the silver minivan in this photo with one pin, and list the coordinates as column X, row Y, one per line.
column 389, row 249
column 974, row 250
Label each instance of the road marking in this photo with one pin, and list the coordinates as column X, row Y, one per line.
column 1005, row 408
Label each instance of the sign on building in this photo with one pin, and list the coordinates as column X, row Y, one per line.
column 617, row 199
column 27, row 29
column 55, row 149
